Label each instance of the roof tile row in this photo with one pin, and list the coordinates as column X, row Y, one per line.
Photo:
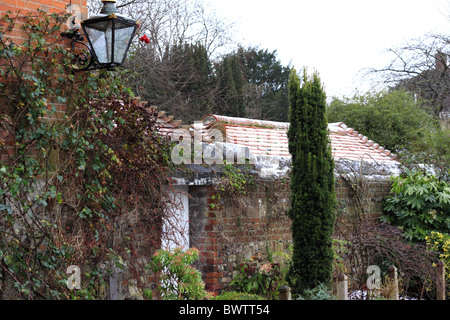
column 270, row 138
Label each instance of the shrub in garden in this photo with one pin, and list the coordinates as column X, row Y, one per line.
column 440, row 243
column 321, row 292
column 178, row 279
column 420, row 205
column 262, row 279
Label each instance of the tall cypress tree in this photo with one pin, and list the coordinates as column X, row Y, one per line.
column 313, row 198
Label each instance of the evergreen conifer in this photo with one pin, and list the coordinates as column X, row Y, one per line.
column 313, row 198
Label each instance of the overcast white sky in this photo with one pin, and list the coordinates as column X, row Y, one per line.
column 338, row 38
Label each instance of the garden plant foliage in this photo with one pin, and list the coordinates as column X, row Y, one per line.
column 420, row 204
column 179, row 280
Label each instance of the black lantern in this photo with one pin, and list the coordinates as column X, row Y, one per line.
column 109, row 34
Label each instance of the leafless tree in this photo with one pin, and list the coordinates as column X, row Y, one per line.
column 422, row 68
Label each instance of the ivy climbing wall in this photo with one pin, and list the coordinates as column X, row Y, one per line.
column 19, row 10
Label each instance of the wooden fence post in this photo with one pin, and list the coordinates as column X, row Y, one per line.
column 285, row 293
column 440, row 281
column 393, row 283
column 342, row 287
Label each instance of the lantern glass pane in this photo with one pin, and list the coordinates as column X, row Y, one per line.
column 100, row 35
column 122, row 38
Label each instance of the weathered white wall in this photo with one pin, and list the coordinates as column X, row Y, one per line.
column 176, row 227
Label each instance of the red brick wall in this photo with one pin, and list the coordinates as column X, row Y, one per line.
column 235, row 227
column 50, row 6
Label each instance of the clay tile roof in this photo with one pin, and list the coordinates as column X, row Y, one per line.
column 270, row 138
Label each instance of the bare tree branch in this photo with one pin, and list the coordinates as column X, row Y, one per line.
column 421, row 67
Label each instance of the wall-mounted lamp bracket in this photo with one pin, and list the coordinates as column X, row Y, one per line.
column 84, row 59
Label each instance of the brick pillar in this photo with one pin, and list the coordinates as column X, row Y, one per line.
column 203, row 229
column 211, row 252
